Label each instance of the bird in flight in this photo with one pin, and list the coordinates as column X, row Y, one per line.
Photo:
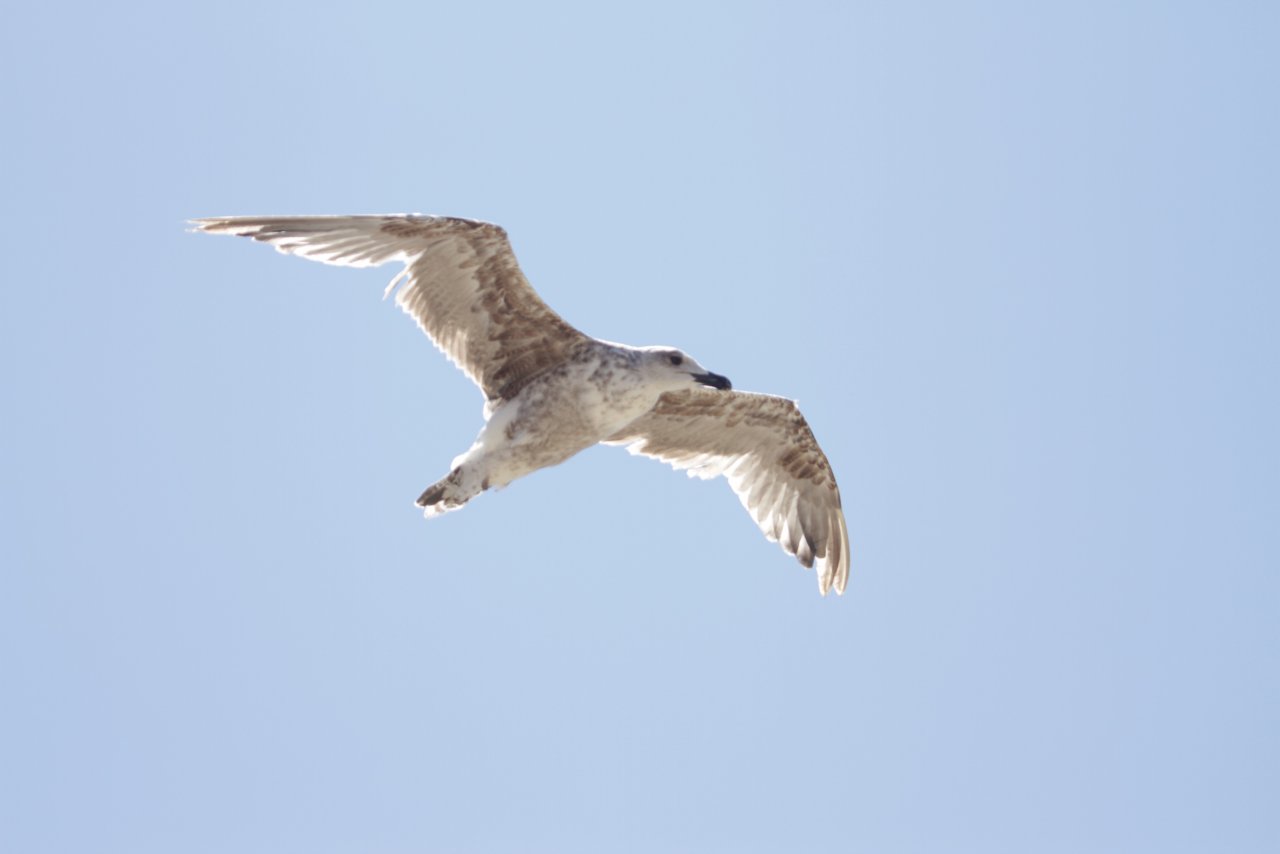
column 552, row 391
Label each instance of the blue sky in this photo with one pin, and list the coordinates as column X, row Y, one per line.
column 1016, row 261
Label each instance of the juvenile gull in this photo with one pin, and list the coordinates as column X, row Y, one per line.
column 551, row 391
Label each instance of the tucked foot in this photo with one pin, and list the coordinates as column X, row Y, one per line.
column 449, row 493
column 434, row 495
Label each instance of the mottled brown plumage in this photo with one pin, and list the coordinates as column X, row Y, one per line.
column 765, row 448
column 461, row 283
column 553, row 391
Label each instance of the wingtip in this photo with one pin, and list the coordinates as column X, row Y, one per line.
column 833, row 576
column 206, row 223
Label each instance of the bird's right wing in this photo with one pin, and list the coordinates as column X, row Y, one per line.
column 765, row 448
column 461, row 283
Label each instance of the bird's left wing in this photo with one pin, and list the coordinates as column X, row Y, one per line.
column 461, row 283
column 765, row 448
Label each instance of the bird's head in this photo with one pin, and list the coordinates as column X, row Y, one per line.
column 678, row 369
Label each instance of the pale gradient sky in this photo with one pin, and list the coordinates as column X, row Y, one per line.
column 1018, row 262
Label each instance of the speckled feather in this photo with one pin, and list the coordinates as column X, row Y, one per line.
column 765, row 449
column 461, row 283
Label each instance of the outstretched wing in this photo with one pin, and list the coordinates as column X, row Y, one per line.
column 461, row 283
column 765, row 448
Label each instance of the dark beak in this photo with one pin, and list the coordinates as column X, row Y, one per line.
column 714, row 380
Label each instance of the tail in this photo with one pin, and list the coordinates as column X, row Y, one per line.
column 449, row 493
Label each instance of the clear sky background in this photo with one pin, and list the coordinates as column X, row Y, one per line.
column 1018, row 263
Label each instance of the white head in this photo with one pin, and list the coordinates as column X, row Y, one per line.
column 675, row 369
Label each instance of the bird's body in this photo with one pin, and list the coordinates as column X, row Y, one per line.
column 552, row 391
column 581, row 402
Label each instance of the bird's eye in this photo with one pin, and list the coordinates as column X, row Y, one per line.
column 676, row 359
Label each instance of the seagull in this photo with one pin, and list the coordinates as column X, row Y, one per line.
column 552, row 391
